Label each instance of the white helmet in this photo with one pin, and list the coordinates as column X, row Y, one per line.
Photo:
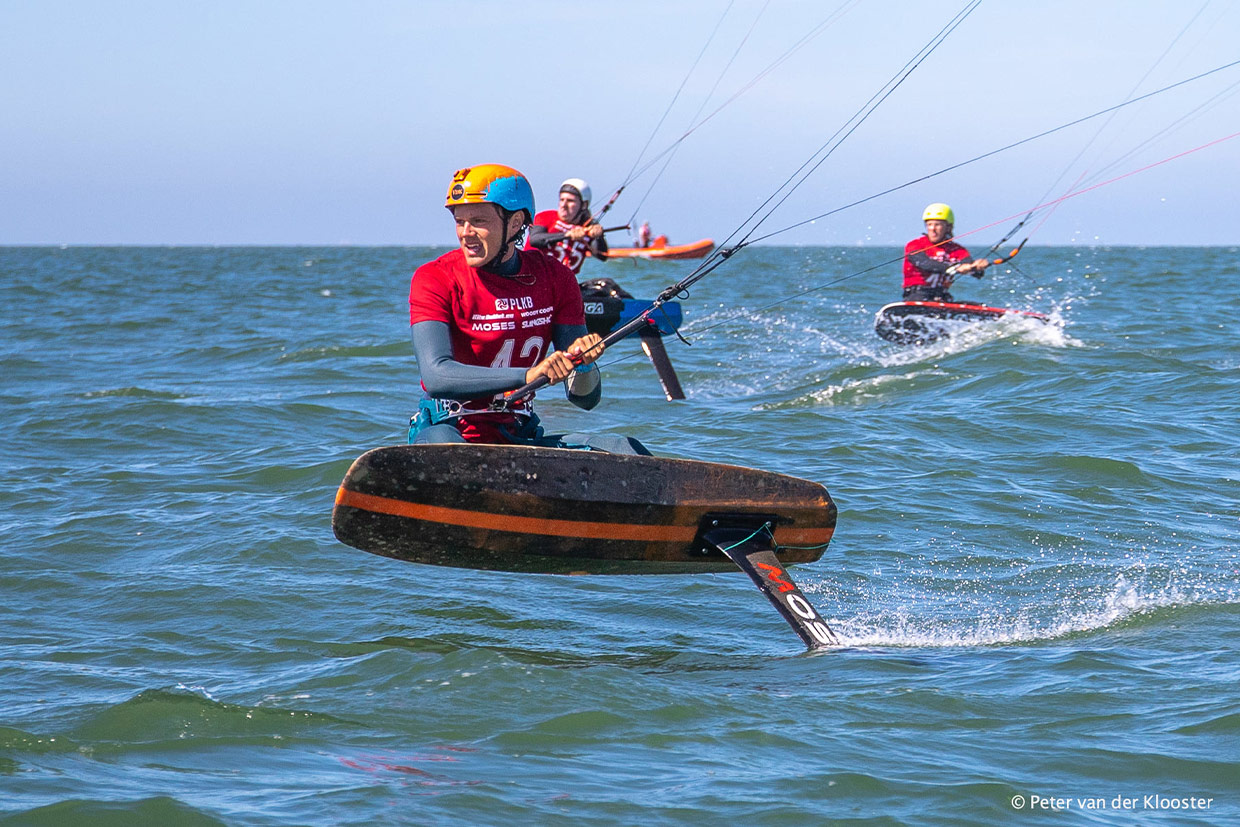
column 578, row 188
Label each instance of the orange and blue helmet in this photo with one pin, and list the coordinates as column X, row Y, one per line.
column 492, row 184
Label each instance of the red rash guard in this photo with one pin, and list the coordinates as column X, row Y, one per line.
column 495, row 321
column 926, row 263
column 572, row 254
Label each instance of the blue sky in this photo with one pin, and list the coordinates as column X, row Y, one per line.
column 326, row 123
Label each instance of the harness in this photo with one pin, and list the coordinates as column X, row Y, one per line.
column 435, row 411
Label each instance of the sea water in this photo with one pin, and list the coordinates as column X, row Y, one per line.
column 1036, row 573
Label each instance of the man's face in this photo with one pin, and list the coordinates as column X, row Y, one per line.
column 479, row 231
column 936, row 230
column 570, row 205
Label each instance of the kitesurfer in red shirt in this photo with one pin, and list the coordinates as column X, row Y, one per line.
column 932, row 261
column 485, row 316
column 573, row 221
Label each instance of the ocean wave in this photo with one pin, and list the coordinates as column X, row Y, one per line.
column 160, row 809
column 159, row 718
column 329, row 352
column 134, row 393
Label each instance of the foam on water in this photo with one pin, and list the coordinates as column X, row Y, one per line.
column 1131, row 598
column 854, row 391
column 961, row 336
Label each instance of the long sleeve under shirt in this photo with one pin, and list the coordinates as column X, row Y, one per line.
column 443, row 377
column 927, row 264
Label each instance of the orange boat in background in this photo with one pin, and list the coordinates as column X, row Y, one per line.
column 659, row 248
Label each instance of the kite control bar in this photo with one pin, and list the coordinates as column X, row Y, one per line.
column 552, row 238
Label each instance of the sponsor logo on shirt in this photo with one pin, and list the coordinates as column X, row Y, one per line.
column 508, row 310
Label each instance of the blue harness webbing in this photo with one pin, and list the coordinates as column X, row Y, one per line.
column 434, row 411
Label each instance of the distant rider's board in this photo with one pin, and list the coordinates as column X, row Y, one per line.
column 560, row 511
column 917, row 323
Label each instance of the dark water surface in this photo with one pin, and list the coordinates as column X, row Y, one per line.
column 1036, row 571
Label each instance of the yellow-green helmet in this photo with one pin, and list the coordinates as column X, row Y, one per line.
column 939, row 212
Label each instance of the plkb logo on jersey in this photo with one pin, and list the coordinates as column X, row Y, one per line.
column 517, row 303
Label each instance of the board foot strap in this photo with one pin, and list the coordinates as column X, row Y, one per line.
column 755, row 554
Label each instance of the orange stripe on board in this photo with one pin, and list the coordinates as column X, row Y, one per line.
column 553, row 528
column 509, row 522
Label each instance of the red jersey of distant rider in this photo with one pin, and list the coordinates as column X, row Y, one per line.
column 572, row 254
column 946, row 251
column 495, row 321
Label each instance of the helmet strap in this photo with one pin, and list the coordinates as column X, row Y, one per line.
column 515, row 241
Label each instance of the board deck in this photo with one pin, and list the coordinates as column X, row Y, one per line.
column 551, row 510
column 913, row 322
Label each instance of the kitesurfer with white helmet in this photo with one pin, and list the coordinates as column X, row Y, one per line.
column 485, row 316
column 932, row 261
column 572, row 220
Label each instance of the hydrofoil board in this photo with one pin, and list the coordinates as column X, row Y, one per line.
column 561, row 511
column 918, row 323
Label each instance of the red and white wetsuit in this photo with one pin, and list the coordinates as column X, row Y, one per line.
column 495, row 321
column 572, row 254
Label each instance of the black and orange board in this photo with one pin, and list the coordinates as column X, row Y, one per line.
column 560, row 511
column 917, row 323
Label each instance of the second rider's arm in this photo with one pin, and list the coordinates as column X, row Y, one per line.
column 598, row 241
column 538, row 237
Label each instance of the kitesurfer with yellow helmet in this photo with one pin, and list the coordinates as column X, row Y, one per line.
column 485, row 316
column 571, row 222
column 932, row 261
